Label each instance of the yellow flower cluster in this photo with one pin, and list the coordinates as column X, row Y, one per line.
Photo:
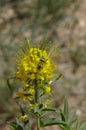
column 35, row 70
column 35, row 65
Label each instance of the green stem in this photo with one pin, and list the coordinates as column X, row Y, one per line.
column 37, row 101
column 38, row 122
column 36, row 92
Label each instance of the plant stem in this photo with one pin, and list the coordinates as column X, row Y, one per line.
column 37, row 101
column 38, row 122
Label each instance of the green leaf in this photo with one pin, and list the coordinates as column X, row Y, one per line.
column 26, row 125
column 80, row 126
column 9, row 86
column 44, row 114
column 62, row 115
column 36, row 110
column 62, row 127
column 11, row 127
column 49, row 109
column 46, row 111
column 22, row 109
column 58, row 77
column 73, row 121
column 66, row 111
column 40, row 106
column 52, row 121
column 17, row 121
column 16, row 126
column 72, row 117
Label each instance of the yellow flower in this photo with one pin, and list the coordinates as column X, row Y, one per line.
column 47, row 103
column 23, row 96
column 31, row 91
column 32, row 76
column 47, row 90
column 25, row 85
column 24, row 118
column 33, row 106
column 20, row 95
column 28, row 98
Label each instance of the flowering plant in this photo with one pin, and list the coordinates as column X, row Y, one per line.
column 36, row 70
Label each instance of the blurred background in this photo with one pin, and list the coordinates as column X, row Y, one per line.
column 63, row 22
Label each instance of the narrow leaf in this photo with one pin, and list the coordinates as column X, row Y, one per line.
column 22, row 109
column 73, row 121
column 49, row 109
column 62, row 127
column 62, row 115
column 16, row 126
column 66, row 111
column 58, row 77
column 44, row 114
column 9, row 86
column 52, row 121
column 72, row 117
